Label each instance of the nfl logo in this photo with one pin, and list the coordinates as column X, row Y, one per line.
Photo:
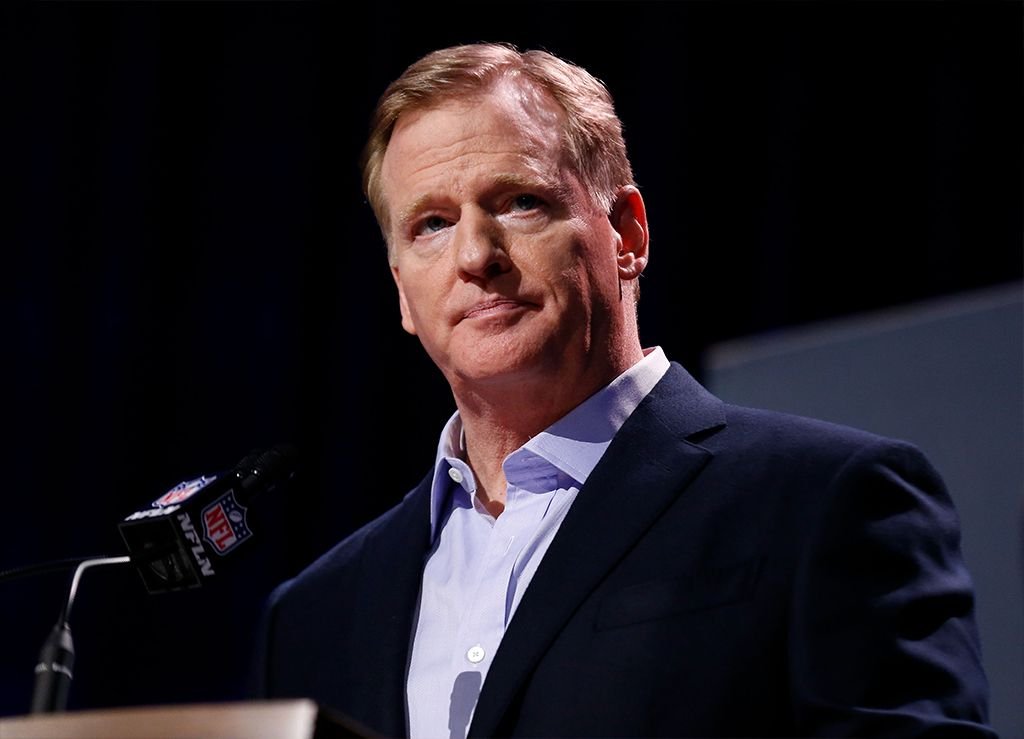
column 224, row 525
column 183, row 491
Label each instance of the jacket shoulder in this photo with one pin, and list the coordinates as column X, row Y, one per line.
column 789, row 432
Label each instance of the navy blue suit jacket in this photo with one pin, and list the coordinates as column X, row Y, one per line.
column 724, row 572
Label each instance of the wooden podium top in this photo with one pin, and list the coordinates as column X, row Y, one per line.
column 281, row 719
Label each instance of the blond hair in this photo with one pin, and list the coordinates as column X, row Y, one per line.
column 592, row 132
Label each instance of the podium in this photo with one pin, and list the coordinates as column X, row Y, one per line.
column 277, row 719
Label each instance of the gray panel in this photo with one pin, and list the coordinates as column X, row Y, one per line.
column 947, row 375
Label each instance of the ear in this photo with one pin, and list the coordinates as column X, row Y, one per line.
column 629, row 219
column 403, row 304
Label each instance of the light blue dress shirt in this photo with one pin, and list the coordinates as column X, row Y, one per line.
column 480, row 566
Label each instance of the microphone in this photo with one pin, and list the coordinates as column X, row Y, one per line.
column 181, row 540
column 178, row 542
column 57, row 657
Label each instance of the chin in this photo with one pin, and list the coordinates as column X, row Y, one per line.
column 528, row 350
column 502, row 364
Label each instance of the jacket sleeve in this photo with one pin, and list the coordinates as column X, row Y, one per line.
column 882, row 638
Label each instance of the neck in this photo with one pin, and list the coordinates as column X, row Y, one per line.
column 498, row 418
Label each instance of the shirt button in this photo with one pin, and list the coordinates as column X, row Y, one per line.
column 475, row 654
column 455, row 474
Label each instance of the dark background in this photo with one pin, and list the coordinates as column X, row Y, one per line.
column 193, row 272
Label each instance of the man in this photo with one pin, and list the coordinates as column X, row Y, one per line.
column 602, row 547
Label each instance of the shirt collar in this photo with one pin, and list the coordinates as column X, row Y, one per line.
column 574, row 443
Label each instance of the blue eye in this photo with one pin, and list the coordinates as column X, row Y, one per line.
column 433, row 224
column 526, row 202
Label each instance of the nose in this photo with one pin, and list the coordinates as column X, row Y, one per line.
column 480, row 251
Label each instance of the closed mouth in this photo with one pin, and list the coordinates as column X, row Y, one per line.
column 493, row 307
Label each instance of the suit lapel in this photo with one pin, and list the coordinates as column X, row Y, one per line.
column 646, row 467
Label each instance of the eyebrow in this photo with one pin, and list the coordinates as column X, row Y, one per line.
column 501, row 181
column 410, row 211
column 507, row 181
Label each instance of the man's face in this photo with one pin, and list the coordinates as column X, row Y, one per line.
column 505, row 266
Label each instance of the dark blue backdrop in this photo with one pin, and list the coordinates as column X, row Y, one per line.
column 192, row 271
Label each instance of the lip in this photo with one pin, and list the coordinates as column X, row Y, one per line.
column 493, row 307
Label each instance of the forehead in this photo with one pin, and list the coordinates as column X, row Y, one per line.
column 512, row 123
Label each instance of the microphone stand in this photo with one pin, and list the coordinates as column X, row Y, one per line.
column 57, row 657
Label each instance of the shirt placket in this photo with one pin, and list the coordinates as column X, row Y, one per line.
column 482, row 627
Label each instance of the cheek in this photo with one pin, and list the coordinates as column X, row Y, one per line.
column 561, row 255
column 422, row 308
column 587, row 269
column 420, row 305
column 561, row 268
